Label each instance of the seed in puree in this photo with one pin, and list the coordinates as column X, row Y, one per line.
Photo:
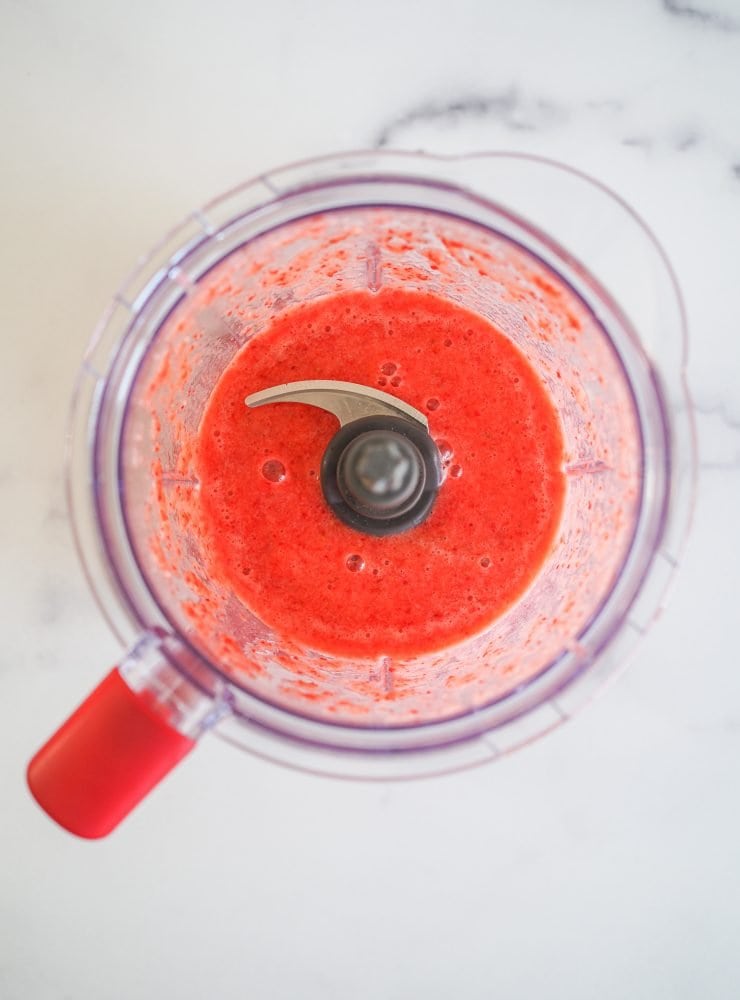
column 268, row 533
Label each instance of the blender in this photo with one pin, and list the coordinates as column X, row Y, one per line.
column 335, row 651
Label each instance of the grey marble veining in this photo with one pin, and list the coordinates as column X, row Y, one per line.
column 514, row 111
column 703, row 15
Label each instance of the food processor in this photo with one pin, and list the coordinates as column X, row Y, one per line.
column 571, row 281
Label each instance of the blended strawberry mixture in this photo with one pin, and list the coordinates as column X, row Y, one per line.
column 270, row 536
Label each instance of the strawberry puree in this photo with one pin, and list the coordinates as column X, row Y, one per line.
column 268, row 534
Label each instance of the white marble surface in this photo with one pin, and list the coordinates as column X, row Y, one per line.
column 604, row 861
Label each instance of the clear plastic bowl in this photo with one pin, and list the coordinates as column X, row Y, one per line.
column 625, row 389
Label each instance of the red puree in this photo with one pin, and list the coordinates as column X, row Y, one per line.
column 270, row 535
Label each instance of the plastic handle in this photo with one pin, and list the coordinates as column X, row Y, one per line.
column 104, row 759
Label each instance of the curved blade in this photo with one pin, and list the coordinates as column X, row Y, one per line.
column 348, row 401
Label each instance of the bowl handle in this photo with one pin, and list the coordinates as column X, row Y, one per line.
column 140, row 721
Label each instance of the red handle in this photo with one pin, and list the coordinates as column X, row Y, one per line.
column 104, row 759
